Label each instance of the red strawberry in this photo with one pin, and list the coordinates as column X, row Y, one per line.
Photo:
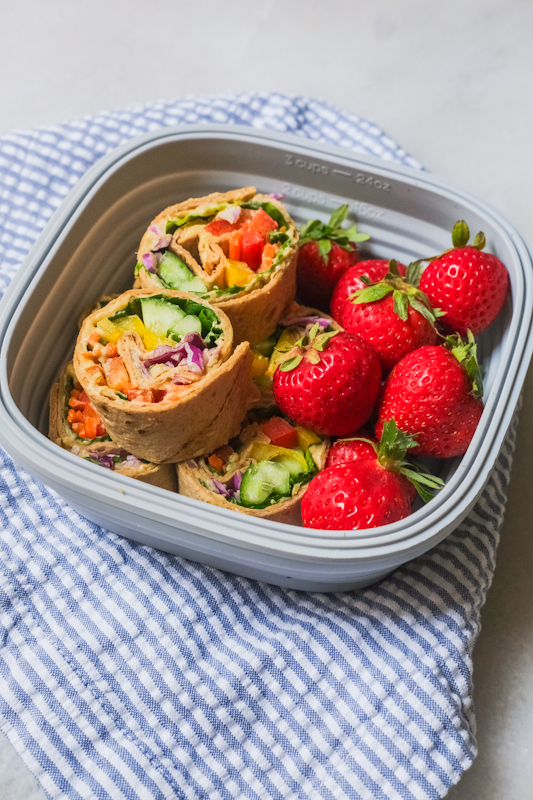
column 363, row 446
column 434, row 394
column 466, row 284
column 326, row 253
column 393, row 315
column 370, row 492
column 353, row 449
column 374, row 269
column 352, row 496
column 329, row 382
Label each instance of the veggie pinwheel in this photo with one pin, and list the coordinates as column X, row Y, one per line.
column 263, row 472
column 161, row 372
column 236, row 249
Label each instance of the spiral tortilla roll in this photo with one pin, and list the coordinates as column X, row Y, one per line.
column 153, row 404
column 101, row 449
column 253, row 298
column 198, row 481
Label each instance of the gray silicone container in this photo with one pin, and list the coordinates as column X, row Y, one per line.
column 88, row 249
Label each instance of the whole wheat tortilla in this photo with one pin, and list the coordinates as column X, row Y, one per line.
column 207, row 413
column 253, row 313
column 60, row 432
column 288, row 511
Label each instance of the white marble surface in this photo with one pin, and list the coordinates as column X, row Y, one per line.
column 452, row 82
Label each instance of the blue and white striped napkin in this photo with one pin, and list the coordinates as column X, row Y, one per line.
column 128, row 673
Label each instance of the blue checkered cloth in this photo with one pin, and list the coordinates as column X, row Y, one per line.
column 129, row 673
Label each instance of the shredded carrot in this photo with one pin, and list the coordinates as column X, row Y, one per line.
column 83, row 417
column 216, row 463
column 94, row 338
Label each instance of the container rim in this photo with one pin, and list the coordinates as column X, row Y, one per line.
column 20, row 437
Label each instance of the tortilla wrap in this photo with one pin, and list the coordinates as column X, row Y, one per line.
column 254, row 310
column 288, row 510
column 197, row 412
column 60, row 432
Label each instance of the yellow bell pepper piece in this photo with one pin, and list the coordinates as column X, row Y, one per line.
column 259, row 365
column 109, row 331
column 151, row 340
column 262, row 451
column 131, row 323
column 238, row 273
column 306, row 437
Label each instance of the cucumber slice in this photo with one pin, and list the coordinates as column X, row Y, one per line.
column 262, row 480
column 266, row 347
column 177, row 275
column 292, row 464
column 186, row 325
column 159, row 315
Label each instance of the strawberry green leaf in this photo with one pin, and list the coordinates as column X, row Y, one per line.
column 338, row 216
column 426, row 312
column 291, row 363
column 372, row 293
column 321, row 341
column 479, row 242
column 311, row 231
column 466, row 354
column 393, row 268
column 422, row 480
column 324, row 247
column 460, row 234
column 414, row 273
column 401, row 305
column 314, row 331
column 394, row 443
column 353, row 236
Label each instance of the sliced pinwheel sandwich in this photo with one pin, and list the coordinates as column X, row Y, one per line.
column 236, row 249
column 161, row 372
column 264, row 471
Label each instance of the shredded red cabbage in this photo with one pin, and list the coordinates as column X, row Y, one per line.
column 150, row 262
column 289, row 321
column 190, row 350
column 221, row 489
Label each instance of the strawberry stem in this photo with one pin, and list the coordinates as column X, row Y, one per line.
column 324, row 234
column 466, row 354
column 391, row 455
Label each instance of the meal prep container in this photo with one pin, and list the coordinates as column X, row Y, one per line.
column 88, row 250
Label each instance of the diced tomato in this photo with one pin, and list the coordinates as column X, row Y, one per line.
column 252, row 249
column 262, row 223
column 140, row 395
column 94, row 338
column 216, row 463
column 100, row 431
column 159, row 394
column 280, row 432
column 79, row 429
column 220, row 226
column 235, row 246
